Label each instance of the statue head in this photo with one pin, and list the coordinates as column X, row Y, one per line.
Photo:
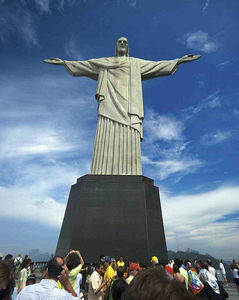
column 122, row 47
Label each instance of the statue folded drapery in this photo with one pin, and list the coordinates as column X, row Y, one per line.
column 120, row 106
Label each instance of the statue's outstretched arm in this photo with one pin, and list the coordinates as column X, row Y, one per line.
column 188, row 58
column 55, row 61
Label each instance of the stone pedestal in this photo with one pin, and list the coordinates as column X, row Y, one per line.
column 113, row 215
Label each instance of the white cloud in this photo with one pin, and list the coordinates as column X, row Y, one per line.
column 216, row 137
column 38, row 190
column 165, row 168
column 20, row 15
column 228, row 62
column 72, row 49
column 212, row 101
column 132, row 3
column 191, row 221
column 43, row 5
column 22, row 140
column 159, row 127
column 205, row 7
column 19, row 22
column 200, row 40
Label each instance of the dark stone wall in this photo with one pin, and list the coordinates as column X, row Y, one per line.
column 113, row 215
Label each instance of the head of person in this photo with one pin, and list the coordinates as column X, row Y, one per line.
column 122, row 47
column 54, row 268
column 102, row 257
column 8, row 257
column 73, row 261
column 154, row 260
column 220, row 260
column 175, row 269
column 187, row 264
column 25, row 264
column 6, row 281
column 134, row 268
column 121, row 258
column 202, row 265
column 153, row 283
column 178, row 262
column 107, row 261
column 99, row 267
column 120, row 272
column 209, row 262
column 31, row 279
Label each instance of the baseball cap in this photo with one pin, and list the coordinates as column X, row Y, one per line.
column 134, row 266
column 154, row 259
column 106, row 259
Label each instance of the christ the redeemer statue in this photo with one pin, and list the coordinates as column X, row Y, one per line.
column 120, row 105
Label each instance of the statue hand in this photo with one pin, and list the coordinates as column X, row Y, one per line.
column 55, row 61
column 188, row 58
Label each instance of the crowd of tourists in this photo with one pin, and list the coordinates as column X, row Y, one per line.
column 111, row 279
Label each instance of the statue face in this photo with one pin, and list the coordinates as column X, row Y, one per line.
column 122, row 47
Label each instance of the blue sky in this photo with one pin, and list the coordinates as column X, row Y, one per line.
column 48, row 118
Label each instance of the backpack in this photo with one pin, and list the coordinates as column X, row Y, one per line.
column 18, row 262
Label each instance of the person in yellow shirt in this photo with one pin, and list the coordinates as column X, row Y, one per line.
column 120, row 262
column 109, row 272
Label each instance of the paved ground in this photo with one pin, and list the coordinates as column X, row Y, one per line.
column 232, row 291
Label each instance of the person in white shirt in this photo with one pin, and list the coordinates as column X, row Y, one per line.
column 48, row 289
column 211, row 269
column 95, row 283
column 222, row 269
column 235, row 273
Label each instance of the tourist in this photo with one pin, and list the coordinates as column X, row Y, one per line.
column 31, row 279
column 120, row 262
column 6, row 282
column 153, row 284
column 114, row 265
column 18, row 262
column 95, row 283
column 48, row 288
column 23, row 274
column 133, row 270
column 222, row 269
column 235, row 273
column 78, row 283
column 169, row 267
column 109, row 272
column 194, row 282
column 182, row 271
column 74, row 263
column 8, row 259
column 212, row 289
column 119, row 285
column 176, row 274
column 211, row 269
column 154, row 261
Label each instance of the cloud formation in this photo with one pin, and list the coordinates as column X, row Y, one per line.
column 165, row 128
column 200, row 41
column 72, row 49
column 200, row 225
column 217, row 137
column 205, row 6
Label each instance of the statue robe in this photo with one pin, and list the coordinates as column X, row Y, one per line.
column 120, row 109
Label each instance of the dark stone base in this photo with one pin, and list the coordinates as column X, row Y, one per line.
column 113, row 215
